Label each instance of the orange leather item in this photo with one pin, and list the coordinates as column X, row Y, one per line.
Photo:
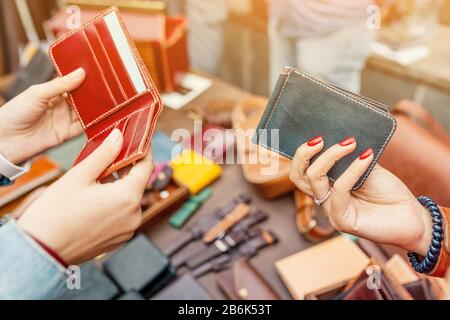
column 161, row 40
column 443, row 263
column 108, row 98
column 323, row 267
column 306, row 220
column 419, row 154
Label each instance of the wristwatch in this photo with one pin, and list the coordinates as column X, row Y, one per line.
column 9, row 172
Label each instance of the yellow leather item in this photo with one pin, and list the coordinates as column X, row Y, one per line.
column 194, row 171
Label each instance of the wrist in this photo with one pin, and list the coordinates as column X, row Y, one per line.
column 8, row 151
column 44, row 239
column 422, row 242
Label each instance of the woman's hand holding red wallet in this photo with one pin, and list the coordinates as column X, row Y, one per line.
column 38, row 119
column 79, row 217
column 382, row 210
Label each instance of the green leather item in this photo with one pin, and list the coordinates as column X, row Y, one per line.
column 190, row 208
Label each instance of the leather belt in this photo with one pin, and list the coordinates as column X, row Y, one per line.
column 204, row 225
column 221, row 246
column 192, row 251
column 251, row 247
column 217, row 264
column 247, row 250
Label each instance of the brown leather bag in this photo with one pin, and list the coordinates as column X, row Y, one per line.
column 419, row 153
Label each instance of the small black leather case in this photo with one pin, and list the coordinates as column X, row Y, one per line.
column 302, row 107
column 140, row 266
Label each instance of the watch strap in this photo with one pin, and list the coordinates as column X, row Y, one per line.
column 239, row 213
column 251, row 248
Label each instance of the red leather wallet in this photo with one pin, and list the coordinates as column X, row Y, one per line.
column 117, row 92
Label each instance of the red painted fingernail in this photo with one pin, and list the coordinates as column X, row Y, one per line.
column 315, row 141
column 347, row 142
column 366, row 154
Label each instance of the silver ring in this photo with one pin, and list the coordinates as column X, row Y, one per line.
column 319, row 202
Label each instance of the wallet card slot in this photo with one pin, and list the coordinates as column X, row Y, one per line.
column 105, row 64
column 129, row 134
column 141, row 129
column 142, row 102
column 115, row 58
column 94, row 91
column 94, row 143
column 125, row 50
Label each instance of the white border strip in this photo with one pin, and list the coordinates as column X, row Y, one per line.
column 125, row 52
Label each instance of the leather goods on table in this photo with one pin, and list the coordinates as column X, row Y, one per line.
column 248, row 249
column 197, row 230
column 215, row 265
column 194, row 171
column 95, row 285
column 212, row 141
column 139, row 266
column 243, row 282
column 267, row 171
column 302, row 108
column 383, row 286
column 218, row 112
column 419, row 153
column 241, row 225
column 117, row 91
column 38, row 70
column 158, row 203
column 306, row 219
column 189, row 208
column 221, row 246
column 184, row 288
column 161, row 41
column 323, row 267
column 43, row 171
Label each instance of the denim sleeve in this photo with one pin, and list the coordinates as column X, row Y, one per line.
column 27, row 272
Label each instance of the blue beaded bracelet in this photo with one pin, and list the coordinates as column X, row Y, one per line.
column 427, row 264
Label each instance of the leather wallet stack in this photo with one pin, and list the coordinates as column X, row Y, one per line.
column 117, row 92
column 302, row 108
column 140, row 266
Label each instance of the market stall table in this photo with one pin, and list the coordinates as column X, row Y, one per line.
column 281, row 211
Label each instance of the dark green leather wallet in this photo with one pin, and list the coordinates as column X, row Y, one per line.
column 302, row 107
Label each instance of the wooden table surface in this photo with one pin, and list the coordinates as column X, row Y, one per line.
column 231, row 184
column 433, row 70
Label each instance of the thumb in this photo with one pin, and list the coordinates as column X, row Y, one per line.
column 59, row 86
column 94, row 165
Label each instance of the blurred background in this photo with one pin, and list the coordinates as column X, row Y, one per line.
column 406, row 45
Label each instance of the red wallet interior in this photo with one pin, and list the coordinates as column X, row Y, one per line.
column 111, row 96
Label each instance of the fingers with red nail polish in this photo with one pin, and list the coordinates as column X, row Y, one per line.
column 315, row 141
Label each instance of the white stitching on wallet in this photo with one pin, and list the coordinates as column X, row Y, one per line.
column 388, row 116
